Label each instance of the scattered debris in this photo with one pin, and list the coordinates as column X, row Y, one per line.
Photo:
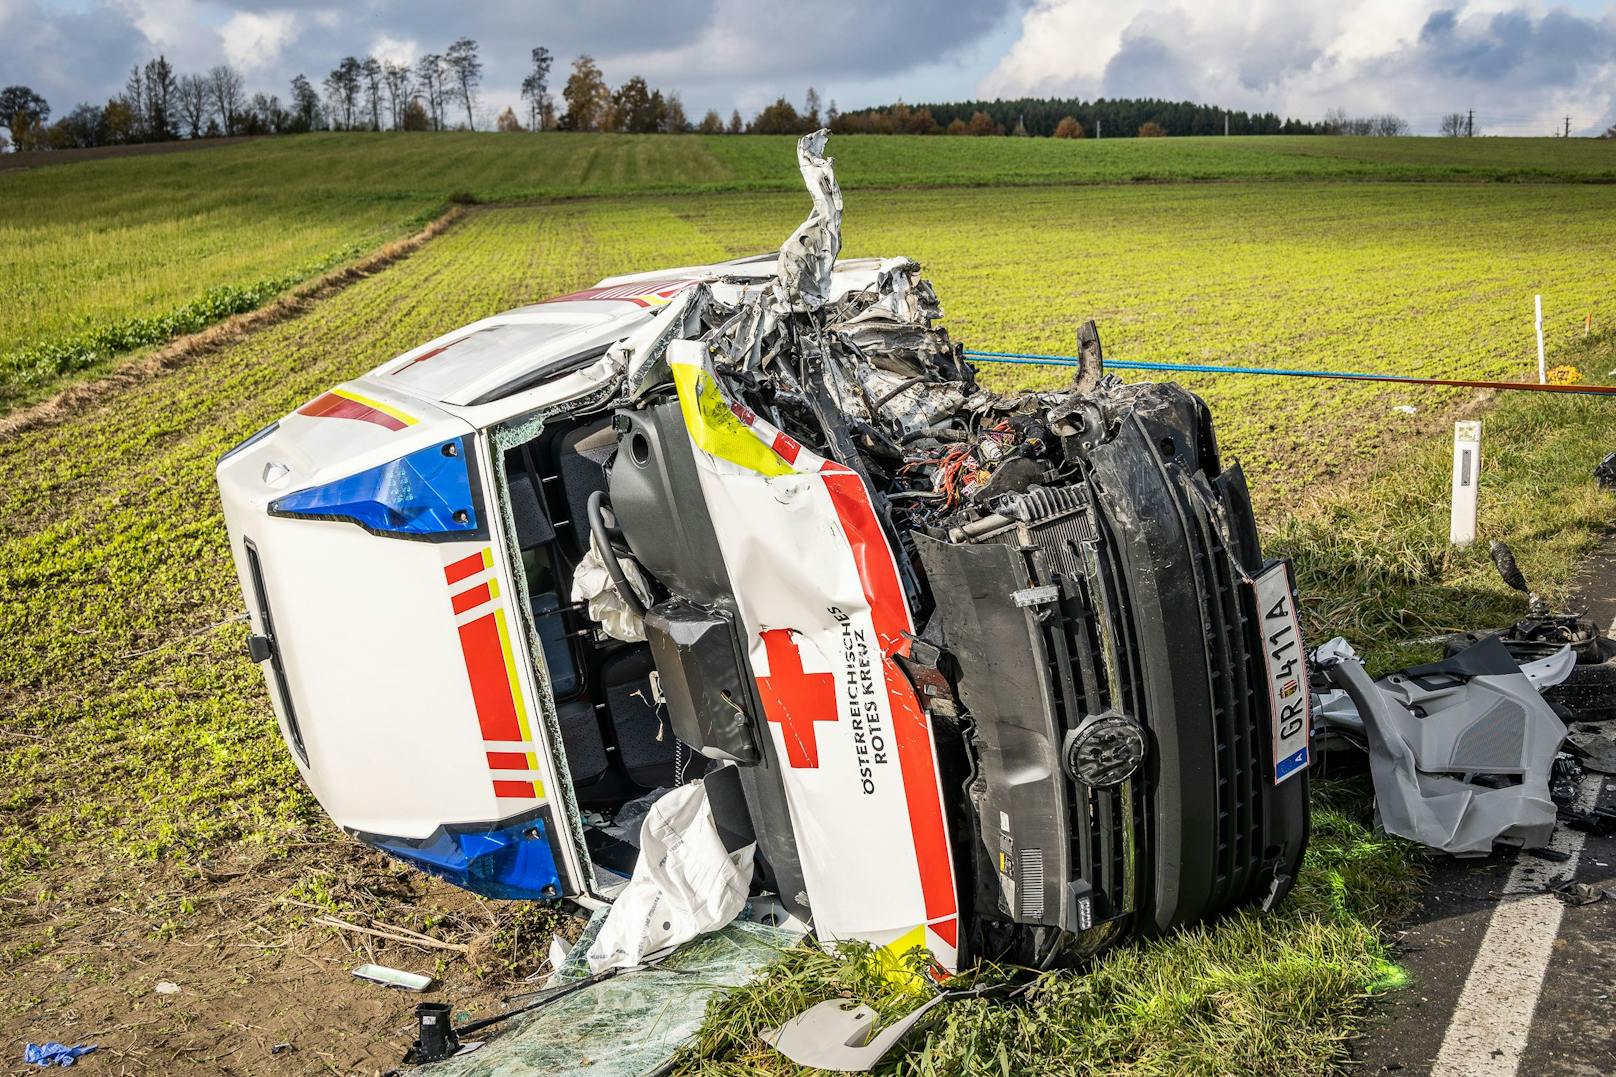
column 381, row 974
column 1605, row 470
column 281, row 1048
column 1460, row 751
column 1558, row 856
column 435, row 1037
column 54, row 1054
column 1594, row 745
column 1600, row 822
column 841, row 1036
column 1589, row 689
column 1406, row 409
column 1565, row 779
column 167, row 987
column 1575, row 893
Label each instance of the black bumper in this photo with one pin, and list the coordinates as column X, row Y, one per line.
column 1124, row 591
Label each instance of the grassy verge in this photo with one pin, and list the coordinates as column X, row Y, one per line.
column 1377, row 568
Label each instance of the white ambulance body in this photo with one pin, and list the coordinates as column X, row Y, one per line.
column 983, row 674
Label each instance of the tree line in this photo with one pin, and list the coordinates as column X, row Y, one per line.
column 439, row 91
column 1068, row 118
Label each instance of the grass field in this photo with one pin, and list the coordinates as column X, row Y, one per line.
column 154, row 827
column 105, row 255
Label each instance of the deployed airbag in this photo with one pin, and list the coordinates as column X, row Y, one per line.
column 687, row 882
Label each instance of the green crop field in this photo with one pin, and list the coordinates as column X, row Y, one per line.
column 155, row 829
column 102, row 256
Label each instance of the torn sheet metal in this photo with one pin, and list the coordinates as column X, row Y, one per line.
column 1460, row 750
column 807, row 258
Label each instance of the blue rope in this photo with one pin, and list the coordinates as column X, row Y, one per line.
column 1030, row 359
column 1034, row 359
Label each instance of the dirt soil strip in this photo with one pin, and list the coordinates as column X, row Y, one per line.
column 35, row 158
column 64, row 404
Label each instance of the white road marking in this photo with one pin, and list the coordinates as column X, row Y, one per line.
column 1493, row 1018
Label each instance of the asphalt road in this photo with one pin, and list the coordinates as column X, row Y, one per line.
column 1506, row 979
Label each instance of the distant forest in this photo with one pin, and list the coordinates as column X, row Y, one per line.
column 1106, row 118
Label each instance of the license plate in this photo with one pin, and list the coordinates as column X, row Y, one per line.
column 1285, row 659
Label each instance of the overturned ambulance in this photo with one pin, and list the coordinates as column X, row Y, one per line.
column 1002, row 676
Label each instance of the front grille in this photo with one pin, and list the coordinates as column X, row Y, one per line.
column 1106, row 825
column 1239, row 712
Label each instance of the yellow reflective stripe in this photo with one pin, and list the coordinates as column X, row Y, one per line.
column 890, row 959
column 386, row 409
column 510, row 674
column 715, row 429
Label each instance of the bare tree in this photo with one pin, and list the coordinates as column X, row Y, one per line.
column 674, row 120
column 397, row 79
column 810, row 109
column 466, row 68
column 429, row 71
column 134, row 96
column 224, row 82
column 162, row 91
column 370, row 74
column 194, row 104
column 342, row 87
column 1453, row 125
column 536, row 88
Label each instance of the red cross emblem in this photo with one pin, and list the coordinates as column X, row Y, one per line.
column 795, row 699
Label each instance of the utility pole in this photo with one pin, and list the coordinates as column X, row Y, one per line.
column 1568, row 127
column 1097, row 127
column 1225, row 125
column 1470, row 125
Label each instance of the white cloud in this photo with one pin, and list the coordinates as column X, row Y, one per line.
column 387, row 48
column 1521, row 67
column 254, row 41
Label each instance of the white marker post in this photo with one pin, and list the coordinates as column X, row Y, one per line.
column 1466, row 478
column 1542, row 372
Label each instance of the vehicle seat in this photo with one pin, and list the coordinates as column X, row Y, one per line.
column 645, row 740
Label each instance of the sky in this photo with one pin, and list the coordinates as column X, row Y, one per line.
column 1523, row 65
